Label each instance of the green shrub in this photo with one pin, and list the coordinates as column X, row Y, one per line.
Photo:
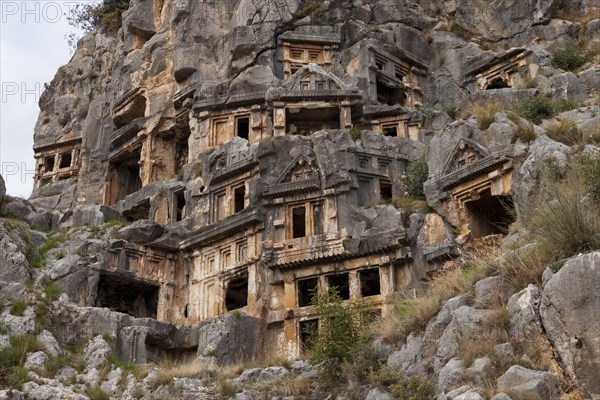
column 16, row 353
column 590, row 171
column 52, row 290
column 17, row 377
column 451, row 110
column 18, row 307
column 412, row 388
column 416, row 175
column 356, row 133
column 536, row 108
column 565, row 131
column 568, row 58
column 458, row 30
column 96, row 393
column 339, row 333
column 90, row 16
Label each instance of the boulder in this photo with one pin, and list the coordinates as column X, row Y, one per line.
column 36, row 360
column 451, row 375
column 93, row 215
column 142, row 231
column 492, row 291
column 570, row 295
column 378, row 394
column 96, row 353
column 521, row 382
column 229, row 337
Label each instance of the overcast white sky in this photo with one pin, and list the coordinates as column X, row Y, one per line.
column 32, row 48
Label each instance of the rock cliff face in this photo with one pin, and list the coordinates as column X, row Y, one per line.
column 206, row 167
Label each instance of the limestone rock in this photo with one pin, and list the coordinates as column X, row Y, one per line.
column 492, row 291
column 142, row 231
column 570, row 294
column 36, row 360
column 230, row 336
column 502, row 19
column 522, row 382
column 45, row 392
column 378, row 394
column 96, row 353
column 90, row 215
column 451, row 375
column 467, row 324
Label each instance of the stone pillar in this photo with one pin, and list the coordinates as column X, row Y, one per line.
column 354, row 285
column 345, row 115
column 279, row 119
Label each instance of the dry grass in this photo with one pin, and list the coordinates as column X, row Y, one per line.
column 284, row 386
column 196, row 371
column 470, row 349
column 566, row 132
column 522, row 267
column 413, row 314
column 485, row 113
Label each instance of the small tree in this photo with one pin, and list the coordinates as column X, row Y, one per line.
column 338, row 335
column 90, row 16
column 416, row 175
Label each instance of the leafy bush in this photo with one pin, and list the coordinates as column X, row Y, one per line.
column 339, row 333
column 92, row 16
column 568, row 58
column 566, row 132
column 590, row 171
column 96, row 393
column 402, row 388
column 416, row 175
column 536, row 108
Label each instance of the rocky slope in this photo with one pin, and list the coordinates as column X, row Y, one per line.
column 501, row 336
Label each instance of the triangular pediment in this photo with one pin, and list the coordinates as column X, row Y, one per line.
column 313, row 77
column 465, row 153
column 299, row 170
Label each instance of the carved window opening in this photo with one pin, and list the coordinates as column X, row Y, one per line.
column 297, row 54
column 497, row 83
column 390, row 96
column 65, row 160
column 385, row 190
column 390, row 130
column 364, row 162
column 307, row 331
column 342, row 283
column 305, row 121
column 49, row 163
column 299, row 222
column 179, row 202
column 237, row 294
column 138, row 299
column 306, row 288
column 239, row 198
column 369, row 282
column 489, row 214
column 243, row 127
column 133, row 182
